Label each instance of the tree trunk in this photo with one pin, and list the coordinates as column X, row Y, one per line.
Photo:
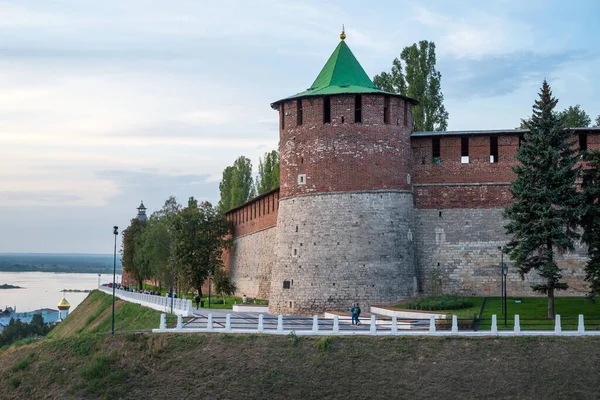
column 200, row 291
column 550, row 299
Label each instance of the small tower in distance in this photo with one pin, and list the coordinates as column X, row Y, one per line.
column 63, row 308
column 142, row 212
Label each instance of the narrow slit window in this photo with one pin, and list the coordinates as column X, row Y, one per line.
column 299, row 108
column 582, row 141
column 464, row 149
column 386, row 110
column 358, row 108
column 326, row 109
column 282, row 119
column 520, row 139
column 405, row 113
column 435, row 150
column 493, row 149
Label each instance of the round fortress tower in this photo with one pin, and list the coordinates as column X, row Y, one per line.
column 345, row 220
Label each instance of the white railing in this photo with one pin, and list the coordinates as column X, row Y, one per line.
column 160, row 303
column 374, row 329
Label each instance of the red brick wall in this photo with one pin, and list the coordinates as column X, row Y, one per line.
column 478, row 184
column 257, row 214
column 344, row 156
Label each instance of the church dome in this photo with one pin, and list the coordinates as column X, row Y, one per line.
column 64, row 304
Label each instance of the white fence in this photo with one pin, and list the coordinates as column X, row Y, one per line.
column 374, row 329
column 160, row 303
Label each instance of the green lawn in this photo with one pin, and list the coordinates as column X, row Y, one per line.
column 532, row 312
column 465, row 313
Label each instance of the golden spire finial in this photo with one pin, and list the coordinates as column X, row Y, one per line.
column 343, row 34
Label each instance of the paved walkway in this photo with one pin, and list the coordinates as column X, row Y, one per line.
column 241, row 320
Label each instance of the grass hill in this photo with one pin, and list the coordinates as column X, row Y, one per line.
column 77, row 363
column 94, row 315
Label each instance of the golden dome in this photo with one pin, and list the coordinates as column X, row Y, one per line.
column 64, row 304
column 343, row 34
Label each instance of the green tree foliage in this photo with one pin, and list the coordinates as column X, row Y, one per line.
column 597, row 122
column 223, row 284
column 17, row 330
column 543, row 218
column 236, row 187
column 574, row 117
column 135, row 266
column 268, row 173
column 419, row 80
column 200, row 235
column 590, row 219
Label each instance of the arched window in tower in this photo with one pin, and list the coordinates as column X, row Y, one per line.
column 299, row 111
column 358, row 108
column 326, row 109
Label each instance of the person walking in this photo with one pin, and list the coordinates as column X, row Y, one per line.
column 353, row 313
column 197, row 300
column 357, row 309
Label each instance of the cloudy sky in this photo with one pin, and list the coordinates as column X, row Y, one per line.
column 106, row 103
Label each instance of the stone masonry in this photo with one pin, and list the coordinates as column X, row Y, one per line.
column 337, row 248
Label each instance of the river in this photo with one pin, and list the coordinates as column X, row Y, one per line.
column 44, row 289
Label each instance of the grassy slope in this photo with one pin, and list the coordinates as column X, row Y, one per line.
column 93, row 315
column 255, row 367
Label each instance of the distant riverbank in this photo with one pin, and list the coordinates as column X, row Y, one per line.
column 6, row 286
column 59, row 263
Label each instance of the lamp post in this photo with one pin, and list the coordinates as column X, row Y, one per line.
column 116, row 233
column 504, row 275
column 209, row 275
column 172, row 279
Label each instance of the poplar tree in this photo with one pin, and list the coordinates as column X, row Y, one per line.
column 418, row 79
column 268, row 173
column 543, row 218
column 597, row 122
column 590, row 219
column 236, row 187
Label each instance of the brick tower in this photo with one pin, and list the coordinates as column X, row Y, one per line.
column 345, row 222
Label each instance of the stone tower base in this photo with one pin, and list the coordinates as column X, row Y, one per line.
column 334, row 249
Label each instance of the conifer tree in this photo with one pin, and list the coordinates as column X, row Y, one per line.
column 590, row 219
column 543, row 218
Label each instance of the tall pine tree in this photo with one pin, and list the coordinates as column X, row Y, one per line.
column 543, row 218
column 590, row 219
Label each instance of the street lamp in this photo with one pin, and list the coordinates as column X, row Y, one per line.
column 116, row 233
column 172, row 279
column 504, row 275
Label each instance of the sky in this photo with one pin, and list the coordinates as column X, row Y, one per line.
column 107, row 103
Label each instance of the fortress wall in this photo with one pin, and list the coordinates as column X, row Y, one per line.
column 450, row 168
column 251, row 258
column 457, row 252
column 337, row 248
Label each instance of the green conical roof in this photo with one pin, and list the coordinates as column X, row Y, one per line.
column 341, row 74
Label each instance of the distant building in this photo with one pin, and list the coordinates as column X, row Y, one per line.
column 142, row 212
column 49, row 315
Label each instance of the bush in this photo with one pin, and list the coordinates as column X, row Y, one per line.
column 440, row 303
column 324, row 344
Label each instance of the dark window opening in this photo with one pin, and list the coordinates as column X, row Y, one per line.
column 282, row 119
column 494, row 149
column 299, row 109
column 440, row 214
column 405, row 113
column 343, row 119
column 358, row 108
column 520, row 139
column 435, row 150
column 286, row 285
column 464, row 146
column 326, row 109
column 386, row 110
column 582, row 141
